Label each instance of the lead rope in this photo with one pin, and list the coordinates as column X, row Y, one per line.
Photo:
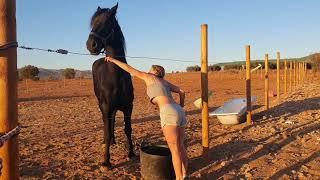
column 9, row 135
column 5, row 137
column 8, row 45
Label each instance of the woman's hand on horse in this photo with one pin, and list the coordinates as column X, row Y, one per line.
column 108, row 59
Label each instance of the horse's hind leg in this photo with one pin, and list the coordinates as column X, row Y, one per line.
column 127, row 128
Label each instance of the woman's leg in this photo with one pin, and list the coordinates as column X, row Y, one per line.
column 171, row 133
column 184, row 154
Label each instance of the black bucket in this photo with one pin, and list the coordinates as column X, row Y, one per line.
column 156, row 162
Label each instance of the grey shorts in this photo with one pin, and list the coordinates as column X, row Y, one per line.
column 172, row 114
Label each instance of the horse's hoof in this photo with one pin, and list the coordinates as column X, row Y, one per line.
column 106, row 165
column 113, row 142
column 131, row 155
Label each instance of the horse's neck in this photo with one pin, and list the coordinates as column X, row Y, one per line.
column 120, row 56
column 116, row 52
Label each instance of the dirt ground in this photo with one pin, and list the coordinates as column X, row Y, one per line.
column 62, row 131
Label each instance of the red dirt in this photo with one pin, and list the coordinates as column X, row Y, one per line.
column 62, row 131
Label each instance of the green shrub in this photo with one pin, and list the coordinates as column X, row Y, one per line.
column 29, row 72
column 315, row 61
column 193, row 68
column 272, row 65
column 214, row 68
column 69, row 73
column 233, row 66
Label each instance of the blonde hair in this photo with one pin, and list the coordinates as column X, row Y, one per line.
column 160, row 72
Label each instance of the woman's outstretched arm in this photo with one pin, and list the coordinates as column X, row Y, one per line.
column 128, row 68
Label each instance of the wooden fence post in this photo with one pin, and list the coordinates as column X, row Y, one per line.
column 302, row 74
column 261, row 71
column 294, row 74
column 302, row 70
column 27, row 86
column 305, row 71
column 248, row 85
column 8, row 89
column 266, row 82
column 278, row 76
column 299, row 73
column 290, row 76
column 285, row 76
column 204, row 88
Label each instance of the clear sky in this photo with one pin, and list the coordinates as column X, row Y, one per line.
column 170, row 29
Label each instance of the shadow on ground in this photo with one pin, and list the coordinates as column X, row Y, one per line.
column 290, row 108
column 44, row 98
column 234, row 148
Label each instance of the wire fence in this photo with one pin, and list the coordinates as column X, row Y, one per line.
column 66, row 52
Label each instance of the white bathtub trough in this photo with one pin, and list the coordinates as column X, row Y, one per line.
column 232, row 111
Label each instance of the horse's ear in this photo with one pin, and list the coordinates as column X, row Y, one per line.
column 114, row 9
column 98, row 8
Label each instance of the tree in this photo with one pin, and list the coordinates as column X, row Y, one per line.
column 193, row 68
column 315, row 60
column 272, row 65
column 69, row 73
column 233, row 66
column 214, row 68
column 309, row 66
column 29, row 72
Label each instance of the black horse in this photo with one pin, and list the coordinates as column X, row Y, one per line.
column 112, row 86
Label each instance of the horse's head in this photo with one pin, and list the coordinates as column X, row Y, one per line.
column 103, row 24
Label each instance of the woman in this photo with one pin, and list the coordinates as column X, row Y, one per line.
column 172, row 115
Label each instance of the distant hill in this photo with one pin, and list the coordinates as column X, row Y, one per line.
column 45, row 74
column 306, row 58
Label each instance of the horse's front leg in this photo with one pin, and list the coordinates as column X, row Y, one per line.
column 127, row 128
column 107, row 129
column 113, row 121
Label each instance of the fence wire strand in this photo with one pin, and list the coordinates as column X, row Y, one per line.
column 65, row 52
